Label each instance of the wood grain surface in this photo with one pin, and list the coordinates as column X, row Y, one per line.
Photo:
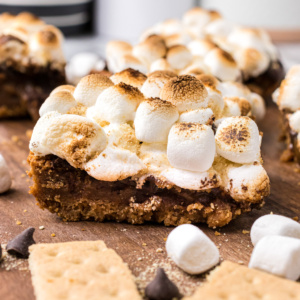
column 137, row 245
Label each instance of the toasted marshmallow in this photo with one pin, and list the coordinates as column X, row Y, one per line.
column 5, row 178
column 160, row 65
column 118, row 103
column 90, row 87
column 251, row 61
column 234, row 89
column 170, row 27
column 130, row 61
column 222, row 65
column 248, row 182
column 114, row 50
column 258, row 106
column 289, row 91
column 192, row 70
column 82, row 64
column 200, row 47
column 179, row 57
column 114, row 164
column 186, row 92
column 219, row 28
column 235, row 106
column 74, row 138
column 191, row 147
column 61, row 102
column 129, row 76
column 237, row 139
column 201, row 116
column 154, row 119
column 150, row 50
column 182, row 38
column 295, row 121
column 64, row 88
column 155, row 82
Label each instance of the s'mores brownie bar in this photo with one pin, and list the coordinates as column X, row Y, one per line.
column 31, row 63
column 106, row 151
column 288, row 101
column 203, row 42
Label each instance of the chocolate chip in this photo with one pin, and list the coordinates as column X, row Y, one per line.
column 162, row 288
column 20, row 244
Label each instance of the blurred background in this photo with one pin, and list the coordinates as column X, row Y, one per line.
column 89, row 24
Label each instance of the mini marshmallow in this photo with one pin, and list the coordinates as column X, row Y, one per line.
column 150, row 50
column 61, row 102
column 186, row 92
column 294, row 120
column 74, row 138
column 179, row 57
column 200, row 47
column 118, row 103
column 234, row 89
column 90, row 87
column 63, row 88
column 201, row 116
column 155, row 82
column 274, row 225
column 182, row 38
column 222, row 65
column 191, row 249
column 289, row 93
column 129, row 76
column 258, row 106
column 130, row 61
column 170, row 27
column 278, row 255
column 191, row 147
column 219, row 27
column 237, row 139
column 154, row 119
column 114, row 164
column 82, row 64
column 235, row 106
column 5, row 178
column 160, row 65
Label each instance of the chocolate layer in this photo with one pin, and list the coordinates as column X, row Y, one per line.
column 74, row 195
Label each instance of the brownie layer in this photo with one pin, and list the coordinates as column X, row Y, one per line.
column 74, row 195
column 23, row 92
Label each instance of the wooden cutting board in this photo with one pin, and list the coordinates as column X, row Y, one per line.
column 138, row 245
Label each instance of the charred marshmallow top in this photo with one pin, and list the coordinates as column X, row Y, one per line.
column 188, row 136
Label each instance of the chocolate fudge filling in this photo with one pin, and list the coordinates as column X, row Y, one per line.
column 74, row 195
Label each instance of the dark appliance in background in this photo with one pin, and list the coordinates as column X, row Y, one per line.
column 73, row 17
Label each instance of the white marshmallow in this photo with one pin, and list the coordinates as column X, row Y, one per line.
column 90, row 87
column 74, row 138
column 295, row 121
column 191, row 146
column 61, row 102
column 181, row 38
column 197, row 181
column 201, row 116
column 289, row 94
column 191, row 249
column 114, row 164
column 274, row 225
column 237, row 139
column 130, row 61
column 258, row 106
column 36, row 145
column 200, row 47
column 222, row 65
column 234, row 89
column 196, row 18
column 154, row 119
column 82, row 64
column 179, row 57
column 170, row 27
column 235, row 106
column 278, row 255
column 5, row 178
column 219, row 28
column 118, row 103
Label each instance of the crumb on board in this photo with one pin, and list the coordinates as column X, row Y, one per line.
column 159, row 250
column 217, row 233
column 53, row 234
column 296, row 218
column 42, row 227
column 245, row 231
column 18, row 222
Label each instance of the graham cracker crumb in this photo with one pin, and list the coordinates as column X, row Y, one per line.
column 53, row 234
column 245, row 231
column 217, row 233
column 19, row 223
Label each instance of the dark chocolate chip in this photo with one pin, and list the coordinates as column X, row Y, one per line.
column 162, row 288
column 20, row 244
